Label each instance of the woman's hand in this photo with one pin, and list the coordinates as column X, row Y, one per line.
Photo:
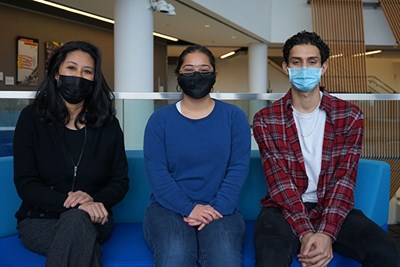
column 77, row 197
column 96, row 210
column 202, row 215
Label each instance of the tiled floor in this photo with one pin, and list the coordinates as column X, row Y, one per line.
column 394, row 231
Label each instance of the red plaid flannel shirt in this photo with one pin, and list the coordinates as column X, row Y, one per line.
column 276, row 134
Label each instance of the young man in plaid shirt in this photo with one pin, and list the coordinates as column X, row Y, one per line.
column 310, row 144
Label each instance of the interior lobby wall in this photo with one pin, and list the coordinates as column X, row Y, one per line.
column 17, row 22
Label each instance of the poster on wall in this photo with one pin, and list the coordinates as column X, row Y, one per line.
column 27, row 61
column 51, row 46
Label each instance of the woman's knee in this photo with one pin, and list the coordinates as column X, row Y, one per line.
column 76, row 219
column 221, row 241
column 274, row 241
column 172, row 241
column 174, row 251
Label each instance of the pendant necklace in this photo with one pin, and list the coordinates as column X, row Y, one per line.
column 313, row 128
column 76, row 165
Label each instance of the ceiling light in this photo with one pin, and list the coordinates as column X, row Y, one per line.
column 368, row 53
column 87, row 14
column 227, row 55
column 76, row 11
column 373, row 52
column 165, row 36
column 335, row 56
column 163, row 7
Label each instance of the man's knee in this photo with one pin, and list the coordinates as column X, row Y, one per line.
column 386, row 253
column 273, row 252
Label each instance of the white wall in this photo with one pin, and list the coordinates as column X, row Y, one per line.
column 232, row 74
column 278, row 81
column 250, row 15
column 276, row 20
column 396, row 75
column 289, row 17
column 386, row 70
column 376, row 28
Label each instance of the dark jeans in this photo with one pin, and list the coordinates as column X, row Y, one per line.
column 175, row 243
column 359, row 238
column 71, row 241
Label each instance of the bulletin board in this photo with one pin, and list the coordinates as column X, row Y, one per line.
column 27, row 61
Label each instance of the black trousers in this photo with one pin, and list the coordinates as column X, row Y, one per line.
column 70, row 241
column 359, row 238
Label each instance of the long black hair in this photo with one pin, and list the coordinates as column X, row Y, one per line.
column 98, row 107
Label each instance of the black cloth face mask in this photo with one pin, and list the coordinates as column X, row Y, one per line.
column 197, row 85
column 74, row 89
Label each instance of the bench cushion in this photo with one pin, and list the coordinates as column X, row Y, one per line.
column 127, row 246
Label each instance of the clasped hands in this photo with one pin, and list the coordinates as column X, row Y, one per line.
column 202, row 215
column 96, row 210
column 316, row 250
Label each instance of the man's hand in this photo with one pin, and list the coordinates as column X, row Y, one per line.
column 316, row 250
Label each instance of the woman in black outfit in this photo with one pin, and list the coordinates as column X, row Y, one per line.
column 70, row 166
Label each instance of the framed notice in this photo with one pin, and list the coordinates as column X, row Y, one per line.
column 51, row 46
column 27, row 61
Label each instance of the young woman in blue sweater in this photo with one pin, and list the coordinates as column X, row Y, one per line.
column 197, row 155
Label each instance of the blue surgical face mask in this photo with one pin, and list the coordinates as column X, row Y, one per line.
column 304, row 79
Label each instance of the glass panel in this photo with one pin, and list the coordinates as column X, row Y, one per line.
column 9, row 113
column 381, row 138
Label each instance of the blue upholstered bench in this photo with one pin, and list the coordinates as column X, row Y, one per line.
column 127, row 246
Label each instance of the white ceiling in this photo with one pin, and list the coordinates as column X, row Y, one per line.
column 191, row 23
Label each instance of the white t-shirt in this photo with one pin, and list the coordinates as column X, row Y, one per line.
column 310, row 128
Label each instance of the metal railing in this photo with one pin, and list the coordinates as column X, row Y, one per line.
column 381, row 112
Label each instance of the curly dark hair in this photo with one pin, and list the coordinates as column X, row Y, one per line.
column 193, row 49
column 98, row 107
column 305, row 37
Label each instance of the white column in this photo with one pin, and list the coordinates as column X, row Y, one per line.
column 258, row 77
column 133, row 53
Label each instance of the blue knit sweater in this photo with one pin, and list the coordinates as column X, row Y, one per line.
column 202, row 161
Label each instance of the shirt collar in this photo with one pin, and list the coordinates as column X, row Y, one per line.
column 326, row 101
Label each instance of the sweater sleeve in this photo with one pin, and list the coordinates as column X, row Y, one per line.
column 28, row 182
column 118, row 183
column 165, row 190
column 228, row 195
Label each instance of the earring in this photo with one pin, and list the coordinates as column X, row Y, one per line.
column 178, row 89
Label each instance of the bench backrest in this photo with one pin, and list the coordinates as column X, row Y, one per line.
column 371, row 194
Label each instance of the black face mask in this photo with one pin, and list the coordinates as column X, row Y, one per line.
column 74, row 89
column 197, row 85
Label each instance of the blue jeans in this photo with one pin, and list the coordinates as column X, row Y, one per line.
column 359, row 238
column 175, row 243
